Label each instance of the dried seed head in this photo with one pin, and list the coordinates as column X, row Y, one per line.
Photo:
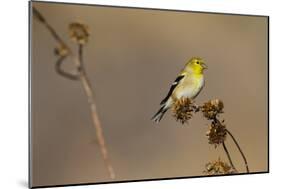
column 216, row 133
column 212, row 108
column 183, row 109
column 79, row 33
column 218, row 167
column 61, row 50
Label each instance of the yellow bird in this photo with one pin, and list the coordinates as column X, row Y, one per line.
column 188, row 84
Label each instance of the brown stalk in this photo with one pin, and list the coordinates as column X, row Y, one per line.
column 228, row 156
column 81, row 76
column 225, row 148
column 95, row 118
column 63, row 73
column 240, row 150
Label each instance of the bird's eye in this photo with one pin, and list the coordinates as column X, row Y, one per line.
column 197, row 62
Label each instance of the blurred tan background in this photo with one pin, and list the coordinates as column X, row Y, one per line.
column 132, row 58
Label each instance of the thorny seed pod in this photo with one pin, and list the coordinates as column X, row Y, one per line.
column 183, row 109
column 216, row 133
column 79, row 33
column 218, row 167
column 212, row 108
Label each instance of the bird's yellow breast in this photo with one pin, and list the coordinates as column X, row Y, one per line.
column 189, row 87
column 197, row 79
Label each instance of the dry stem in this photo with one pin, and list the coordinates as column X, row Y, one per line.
column 217, row 132
column 95, row 118
column 228, row 156
column 240, row 150
column 82, row 76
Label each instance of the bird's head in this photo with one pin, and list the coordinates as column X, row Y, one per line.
column 196, row 65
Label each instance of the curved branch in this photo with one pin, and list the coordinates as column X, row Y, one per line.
column 63, row 73
column 82, row 76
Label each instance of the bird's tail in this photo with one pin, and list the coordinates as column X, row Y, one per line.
column 158, row 116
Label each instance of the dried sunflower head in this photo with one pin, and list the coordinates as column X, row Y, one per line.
column 216, row 133
column 183, row 109
column 212, row 108
column 79, row 33
column 218, row 167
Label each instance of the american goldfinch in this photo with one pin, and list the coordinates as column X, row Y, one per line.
column 188, row 84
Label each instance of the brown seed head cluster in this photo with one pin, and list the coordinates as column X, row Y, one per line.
column 212, row 108
column 79, row 33
column 218, row 167
column 216, row 133
column 183, row 110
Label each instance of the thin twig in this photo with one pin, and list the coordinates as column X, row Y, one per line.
column 216, row 120
column 240, row 150
column 56, row 36
column 95, row 118
column 63, row 73
column 86, row 86
column 228, row 156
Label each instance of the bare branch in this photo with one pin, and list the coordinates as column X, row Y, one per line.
column 55, row 35
column 82, row 76
column 63, row 73
column 95, row 118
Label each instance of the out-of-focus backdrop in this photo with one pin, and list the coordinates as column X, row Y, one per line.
column 132, row 57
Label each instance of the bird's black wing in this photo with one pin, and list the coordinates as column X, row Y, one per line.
column 174, row 85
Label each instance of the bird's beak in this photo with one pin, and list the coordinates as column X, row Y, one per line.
column 204, row 66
